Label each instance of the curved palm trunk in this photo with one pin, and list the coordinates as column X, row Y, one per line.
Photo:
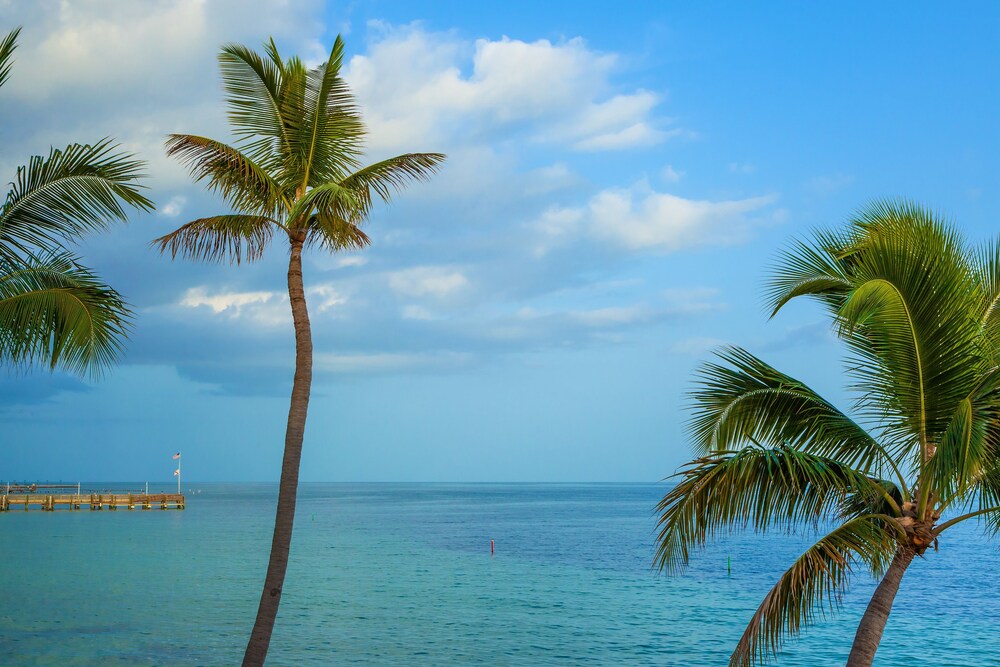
column 872, row 624
column 270, row 597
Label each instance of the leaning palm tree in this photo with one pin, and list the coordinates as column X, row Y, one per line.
column 918, row 313
column 53, row 310
column 295, row 172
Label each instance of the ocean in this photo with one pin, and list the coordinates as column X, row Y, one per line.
column 401, row 574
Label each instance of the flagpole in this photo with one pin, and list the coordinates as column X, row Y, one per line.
column 178, row 474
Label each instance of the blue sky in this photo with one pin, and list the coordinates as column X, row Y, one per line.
column 619, row 179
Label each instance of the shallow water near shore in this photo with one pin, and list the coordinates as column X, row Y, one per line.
column 401, row 574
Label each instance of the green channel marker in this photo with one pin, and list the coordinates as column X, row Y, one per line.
column 729, row 564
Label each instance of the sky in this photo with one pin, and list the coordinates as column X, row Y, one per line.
column 619, row 181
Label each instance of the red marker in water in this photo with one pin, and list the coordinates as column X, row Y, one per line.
column 491, row 547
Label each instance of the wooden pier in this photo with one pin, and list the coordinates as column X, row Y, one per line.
column 92, row 501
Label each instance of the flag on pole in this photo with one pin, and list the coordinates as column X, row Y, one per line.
column 177, row 456
column 177, row 472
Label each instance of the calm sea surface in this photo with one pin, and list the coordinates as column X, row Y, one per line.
column 401, row 574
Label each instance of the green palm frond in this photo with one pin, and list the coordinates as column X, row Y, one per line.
column 336, row 234
column 971, row 443
column 816, row 582
column 988, row 499
column 329, row 140
column 746, row 400
column 79, row 189
column 245, row 185
column 330, row 200
column 392, row 175
column 253, row 92
column 754, row 486
column 232, row 238
column 884, row 497
column 986, row 264
column 7, row 47
column 981, row 502
column 810, row 270
column 912, row 322
column 54, row 311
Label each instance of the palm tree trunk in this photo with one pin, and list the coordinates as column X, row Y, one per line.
column 270, row 597
column 872, row 624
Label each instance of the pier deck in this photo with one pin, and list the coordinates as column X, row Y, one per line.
column 93, row 501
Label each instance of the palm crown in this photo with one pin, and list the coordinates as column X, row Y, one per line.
column 52, row 309
column 296, row 166
column 917, row 310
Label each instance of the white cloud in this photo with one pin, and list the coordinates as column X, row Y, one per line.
column 550, row 179
column 107, row 44
column 354, row 260
column 136, row 71
column 637, row 134
column 325, row 297
column 174, row 207
column 638, row 218
column 667, row 223
column 432, row 281
column 220, row 302
column 119, row 46
column 555, row 226
column 420, row 88
column 264, row 308
column 671, row 175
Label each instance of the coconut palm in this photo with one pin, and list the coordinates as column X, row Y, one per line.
column 295, row 172
column 53, row 310
column 918, row 312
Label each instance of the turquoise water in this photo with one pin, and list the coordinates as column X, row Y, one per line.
column 401, row 574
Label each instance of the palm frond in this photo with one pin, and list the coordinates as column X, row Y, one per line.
column 292, row 97
column 392, row 175
column 755, row 486
column 989, row 499
column 245, row 185
column 234, row 238
column 54, row 311
column 810, row 270
column 746, row 400
column 986, row 264
column 331, row 200
column 329, row 139
column 7, row 47
column 815, row 583
column 981, row 502
column 912, row 323
column 253, row 93
column 971, row 443
column 79, row 189
column 336, row 234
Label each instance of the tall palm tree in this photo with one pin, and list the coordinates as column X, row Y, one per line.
column 918, row 312
column 53, row 310
column 295, row 171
